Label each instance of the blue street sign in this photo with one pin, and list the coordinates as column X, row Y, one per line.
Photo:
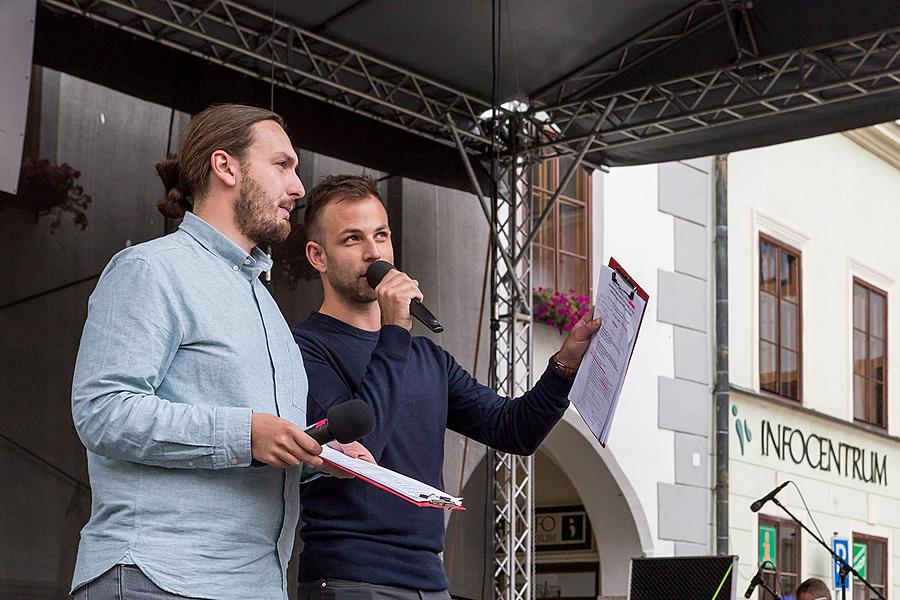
column 841, row 547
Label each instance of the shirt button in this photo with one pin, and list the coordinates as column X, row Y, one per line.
column 235, row 268
column 190, row 463
column 234, row 461
column 247, row 261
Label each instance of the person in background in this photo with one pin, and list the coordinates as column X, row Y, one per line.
column 813, row 589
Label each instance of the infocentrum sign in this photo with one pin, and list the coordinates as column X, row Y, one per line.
column 820, row 452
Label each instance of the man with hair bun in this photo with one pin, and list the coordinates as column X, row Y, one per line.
column 189, row 392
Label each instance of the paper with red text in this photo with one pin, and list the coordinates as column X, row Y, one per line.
column 595, row 391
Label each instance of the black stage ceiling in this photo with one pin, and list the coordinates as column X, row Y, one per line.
column 372, row 81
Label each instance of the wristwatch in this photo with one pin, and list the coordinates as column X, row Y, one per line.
column 561, row 369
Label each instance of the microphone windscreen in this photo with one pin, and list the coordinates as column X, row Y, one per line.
column 350, row 420
column 376, row 272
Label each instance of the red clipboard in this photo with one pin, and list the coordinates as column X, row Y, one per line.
column 617, row 268
column 423, row 503
column 634, row 288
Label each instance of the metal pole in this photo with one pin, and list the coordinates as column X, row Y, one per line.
column 846, row 566
column 722, row 384
column 512, row 224
column 511, row 349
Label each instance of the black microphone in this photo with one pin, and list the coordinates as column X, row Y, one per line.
column 345, row 422
column 759, row 503
column 376, row 272
column 757, row 579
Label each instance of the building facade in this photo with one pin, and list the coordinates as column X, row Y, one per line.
column 649, row 492
column 814, row 261
column 811, row 347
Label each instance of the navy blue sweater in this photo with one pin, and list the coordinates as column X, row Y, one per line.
column 356, row 531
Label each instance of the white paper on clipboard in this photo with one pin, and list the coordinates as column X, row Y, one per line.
column 411, row 490
column 595, row 392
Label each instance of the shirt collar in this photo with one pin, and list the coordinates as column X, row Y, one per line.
column 251, row 265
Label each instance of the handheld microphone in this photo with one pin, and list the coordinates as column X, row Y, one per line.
column 759, row 503
column 345, row 422
column 376, row 272
column 757, row 579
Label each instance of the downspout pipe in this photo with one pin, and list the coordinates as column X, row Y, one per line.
column 721, row 392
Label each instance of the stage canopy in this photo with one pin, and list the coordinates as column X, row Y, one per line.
column 374, row 81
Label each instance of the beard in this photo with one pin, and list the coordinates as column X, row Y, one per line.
column 256, row 214
column 349, row 286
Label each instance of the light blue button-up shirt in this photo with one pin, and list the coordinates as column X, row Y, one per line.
column 182, row 342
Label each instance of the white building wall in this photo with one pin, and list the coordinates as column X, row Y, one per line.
column 839, row 205
column 654, row 220
column 642, row 239
column 838, row 501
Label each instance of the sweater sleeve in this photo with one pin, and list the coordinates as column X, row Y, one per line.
column 516, row 425
column 380, row 387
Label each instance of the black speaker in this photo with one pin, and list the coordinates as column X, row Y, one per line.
column 683, row 578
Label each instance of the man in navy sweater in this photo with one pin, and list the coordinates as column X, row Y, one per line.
column 360, row 542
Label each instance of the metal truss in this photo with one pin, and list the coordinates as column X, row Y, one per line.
column 230, row 34
column 248, row 41
column 653, row 41
column 511, row 350
column 514, row 226
column 508, row 210
column 801, row 79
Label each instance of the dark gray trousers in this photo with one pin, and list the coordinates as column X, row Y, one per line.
column 123, row 582
column 341, row 589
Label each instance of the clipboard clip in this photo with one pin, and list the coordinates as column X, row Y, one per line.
column 439, row 500
column 631, row 286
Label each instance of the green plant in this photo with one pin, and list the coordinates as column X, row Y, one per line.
column 50, row 189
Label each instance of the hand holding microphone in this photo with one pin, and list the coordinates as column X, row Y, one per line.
column 399, row 297
column 280, row 443
column 345, row 422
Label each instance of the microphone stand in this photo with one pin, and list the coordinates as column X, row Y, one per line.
column 845, row 566
column 845, row 570
column 762, row 584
